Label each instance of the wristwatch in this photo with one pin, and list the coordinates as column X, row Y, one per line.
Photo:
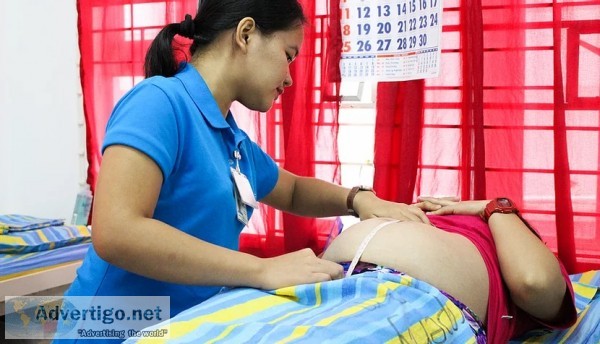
column 352, row 194
column 501, row 205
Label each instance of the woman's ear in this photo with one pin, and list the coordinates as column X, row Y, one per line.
column 244, row 32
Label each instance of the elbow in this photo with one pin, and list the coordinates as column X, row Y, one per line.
column 105, row 244
column 539, row 286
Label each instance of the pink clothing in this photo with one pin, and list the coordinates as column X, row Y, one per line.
column 504, row 319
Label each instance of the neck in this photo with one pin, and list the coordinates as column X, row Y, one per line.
column 215, row 74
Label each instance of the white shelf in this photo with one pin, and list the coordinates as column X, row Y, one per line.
column 39, row 281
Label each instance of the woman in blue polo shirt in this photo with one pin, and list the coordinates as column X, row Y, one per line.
column 178, row 175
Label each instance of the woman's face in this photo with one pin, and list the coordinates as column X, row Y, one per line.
column 268, row 68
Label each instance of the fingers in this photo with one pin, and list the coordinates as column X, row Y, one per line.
column 420, row 215
column 331, row 269
column 321, row 267
column 443, row 201
column 444, row 198
column 427, row 206
column 446, row 210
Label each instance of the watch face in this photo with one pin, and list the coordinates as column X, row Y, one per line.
column 504, row 203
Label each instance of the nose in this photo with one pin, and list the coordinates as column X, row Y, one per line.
column 288, row 79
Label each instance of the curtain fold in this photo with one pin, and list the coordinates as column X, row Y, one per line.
column 565, row 236
column 398, row 128
column 473, row 145
column 515, row 112
column 309, row 112
column 113, row 38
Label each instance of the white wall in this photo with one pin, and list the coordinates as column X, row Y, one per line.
column 41, row 116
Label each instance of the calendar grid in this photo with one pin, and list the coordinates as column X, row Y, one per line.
column 390, row 40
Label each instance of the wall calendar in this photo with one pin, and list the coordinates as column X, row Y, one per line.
column 390, row 40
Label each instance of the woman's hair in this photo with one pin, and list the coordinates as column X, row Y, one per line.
column 214, row 17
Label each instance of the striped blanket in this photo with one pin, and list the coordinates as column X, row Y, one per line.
column 17, row 223
column 42, row 239
column 373, row 307
column 587, row 327
column 15, row 265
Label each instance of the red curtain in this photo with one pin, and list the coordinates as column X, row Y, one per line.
column 515, row 112
column 113, row 38
column 399, row 111
column 300, row 132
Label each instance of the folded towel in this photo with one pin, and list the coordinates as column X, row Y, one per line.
column 16, row 223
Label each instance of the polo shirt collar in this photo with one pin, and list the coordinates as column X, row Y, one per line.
column 202, row 96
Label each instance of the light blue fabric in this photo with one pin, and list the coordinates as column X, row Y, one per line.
column 14, row 263
column 372, row 307
column 177, row 123
column 16, row 223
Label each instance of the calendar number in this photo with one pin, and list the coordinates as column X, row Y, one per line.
column 363, row 45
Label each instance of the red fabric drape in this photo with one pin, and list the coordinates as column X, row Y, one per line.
column 515, row 112
column 300, row 132
column 399, row 111
column 307, row 121
column 310, row 123
column 113, row 38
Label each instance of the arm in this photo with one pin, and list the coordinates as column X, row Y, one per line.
column 317, row 198
column 530, row 270
column 126, row 235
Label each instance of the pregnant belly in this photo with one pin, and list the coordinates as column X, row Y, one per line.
column 445, row 260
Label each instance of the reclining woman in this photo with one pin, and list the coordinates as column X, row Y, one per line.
column 500, row 274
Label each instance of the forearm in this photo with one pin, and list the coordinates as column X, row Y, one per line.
column 317, row 198
column 156, row 250
column 528, row 267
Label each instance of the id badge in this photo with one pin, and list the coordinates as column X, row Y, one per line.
column 244, row 189
column 242, row 212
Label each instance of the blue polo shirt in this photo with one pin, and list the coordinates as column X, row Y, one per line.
column 177, row 123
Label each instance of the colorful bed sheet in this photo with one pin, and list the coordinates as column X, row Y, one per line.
column 11, row 265
column 372, row 307
column 587, row 327
column 16, row 223
column 43, row 239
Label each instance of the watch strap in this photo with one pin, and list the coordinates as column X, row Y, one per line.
column 500, row 205
column 351, row 195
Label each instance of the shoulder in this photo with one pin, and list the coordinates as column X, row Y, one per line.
column 169, row 86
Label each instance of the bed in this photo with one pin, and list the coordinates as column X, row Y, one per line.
column 39, row 256
column 371, row 307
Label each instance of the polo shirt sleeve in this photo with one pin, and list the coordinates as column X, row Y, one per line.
column 145, row 120
column 267, row 171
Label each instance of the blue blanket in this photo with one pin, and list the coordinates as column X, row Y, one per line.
column 17, row 223
column 42, row 239
column 372, row 307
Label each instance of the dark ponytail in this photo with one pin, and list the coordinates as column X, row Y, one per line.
column 214, row 17
column 160, row 59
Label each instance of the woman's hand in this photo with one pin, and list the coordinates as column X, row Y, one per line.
column 369, row 206
column 450, row 206
column 299, row 267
